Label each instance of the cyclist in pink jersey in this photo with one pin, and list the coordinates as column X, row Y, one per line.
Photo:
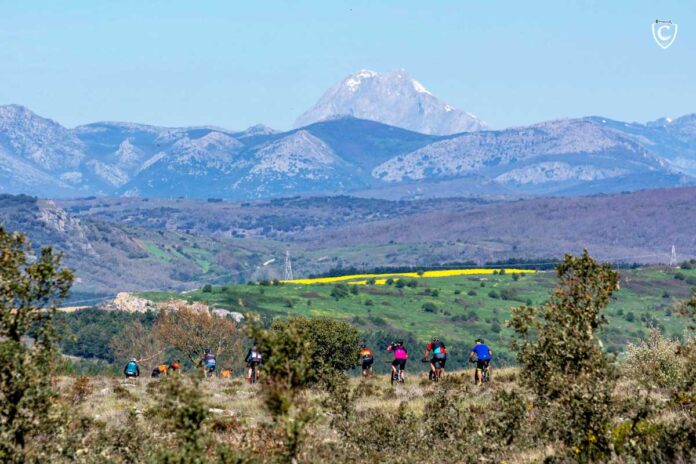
column 400, row 356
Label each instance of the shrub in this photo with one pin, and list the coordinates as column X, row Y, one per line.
column 429, row 307
column 509, row 294
column 471, row 293
column 340, row 291
column 457, row 292
column 630, row 317
column 369, row 302
column 654, row 362
column 207, row 288
column 493, row 294
column 330, row 345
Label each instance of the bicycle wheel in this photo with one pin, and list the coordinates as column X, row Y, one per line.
column 253, row 375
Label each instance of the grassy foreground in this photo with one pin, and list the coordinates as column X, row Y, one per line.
column 368, row 421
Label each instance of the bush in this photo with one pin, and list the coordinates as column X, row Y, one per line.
column 654, row 362
column 340, row 291
column 630, row 317
column 493, row 294
column 429, row 307
column 331, row 345
column 207, row 288
column 471, row 293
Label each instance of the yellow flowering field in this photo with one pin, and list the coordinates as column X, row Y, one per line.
column 381, row 279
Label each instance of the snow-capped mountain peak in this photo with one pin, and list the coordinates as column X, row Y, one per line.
column 393, row 98
column 354, row 81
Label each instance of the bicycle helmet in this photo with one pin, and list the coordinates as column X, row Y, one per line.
column 479, row 340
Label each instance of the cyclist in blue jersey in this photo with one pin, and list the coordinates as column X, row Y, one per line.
column 482, row 355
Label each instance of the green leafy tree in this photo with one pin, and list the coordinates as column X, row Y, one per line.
column 30, row 289
column 563, row 359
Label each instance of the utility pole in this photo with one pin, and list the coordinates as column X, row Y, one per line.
column 288, row 266
column 673, row 257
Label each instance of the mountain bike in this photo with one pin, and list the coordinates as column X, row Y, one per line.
column 485, row 373
column 397, row 375
column 254, row 377
column 434, row 375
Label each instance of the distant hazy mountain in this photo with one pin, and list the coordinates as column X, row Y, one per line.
column 393, row 98
column 341, row 155
column 550, row 157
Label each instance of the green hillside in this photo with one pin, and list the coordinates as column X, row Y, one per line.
column 458, row 309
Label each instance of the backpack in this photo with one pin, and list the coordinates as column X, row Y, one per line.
column 131, row 368
column 210, row 360
column 366, row 354
column 255, row 356
column 439, row 351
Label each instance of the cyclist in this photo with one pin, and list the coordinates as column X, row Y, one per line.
column 437, row 363
column 253, row 360
column 481, row 355
column 159, row 371
column 132, row 369
column 367, row 358
column 400, row 357
column 174, row 367
column 210, row 362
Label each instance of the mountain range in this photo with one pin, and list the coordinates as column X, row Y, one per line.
column 349, row 143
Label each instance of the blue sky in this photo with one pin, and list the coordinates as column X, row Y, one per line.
column 234, row 64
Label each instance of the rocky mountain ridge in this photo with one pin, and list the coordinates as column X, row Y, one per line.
column 341, row 155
